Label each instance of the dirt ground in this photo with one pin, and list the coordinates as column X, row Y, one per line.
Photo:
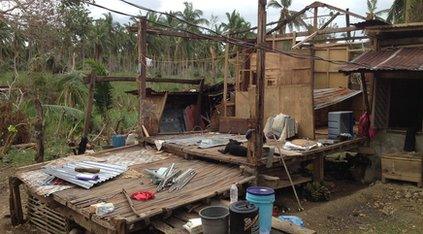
column 354, row 208
column 377, row 208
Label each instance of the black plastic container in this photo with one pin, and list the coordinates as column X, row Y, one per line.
column 243, row 218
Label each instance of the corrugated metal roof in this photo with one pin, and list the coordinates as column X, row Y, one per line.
column 68, row 173
column 403, row 59
column 331, row 96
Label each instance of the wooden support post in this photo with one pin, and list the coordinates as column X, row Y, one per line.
column 347, row 21
column 15, row 204
column 315, row 19
column 142, row 50
column 39, row 129
column 89, row 108
column 213, row 63
column 199, row 102
column 256, row 141
column 225, row 79
column 364, row 91
column 319, row 167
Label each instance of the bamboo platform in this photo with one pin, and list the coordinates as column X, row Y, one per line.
column 211, row 180
column 215, row 155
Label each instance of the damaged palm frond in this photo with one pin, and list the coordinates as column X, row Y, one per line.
column 69, row 111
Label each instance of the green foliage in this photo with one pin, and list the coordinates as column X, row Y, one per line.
column 73, row 91
column 285, row 13
column 103, row 90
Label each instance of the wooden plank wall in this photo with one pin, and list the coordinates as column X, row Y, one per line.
column 288, row 90
column 326, row 74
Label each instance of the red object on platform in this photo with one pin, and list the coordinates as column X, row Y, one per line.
column 142, row 196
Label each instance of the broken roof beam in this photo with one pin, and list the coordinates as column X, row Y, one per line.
column 315, row 33
column 347, row 12
column 319, row 32
column 150, row 80
column 288, row 20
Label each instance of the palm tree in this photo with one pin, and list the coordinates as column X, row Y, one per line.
column 235, row 22
column 403, row 11
column 285, row 13
column 193, row 16
column 371, row 10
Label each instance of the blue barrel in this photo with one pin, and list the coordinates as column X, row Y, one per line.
column 263, row 198
column 118, row 141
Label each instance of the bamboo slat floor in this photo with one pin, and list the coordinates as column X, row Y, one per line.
column 211, row 179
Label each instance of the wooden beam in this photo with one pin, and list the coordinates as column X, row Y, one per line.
column 256, row 141
column 320, row 4
column 142, row 50
column 289, row 19
column 288, row 227
column 315, row 18
column 15, row 203
column 89, row 108
column 288, row 36
column 364, row 92
column 315, row 33
column 347, row 22
column 199, row 102
column 100, row 79
column 225, row 80
column 39, row 129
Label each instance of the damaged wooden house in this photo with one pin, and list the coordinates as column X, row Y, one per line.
column 296, row 75
column 394, row 64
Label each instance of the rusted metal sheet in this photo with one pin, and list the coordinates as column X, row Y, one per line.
column 35, row 180
column 331, row 96
column 403, row 59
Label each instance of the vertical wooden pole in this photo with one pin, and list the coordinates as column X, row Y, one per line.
column 15, row 205
column 89, row 108
column 238, row 71
column 347, row 22
column 364, row 91
column 199, row 102
column 142, row 50
column 256, row 142
column 39, row 129
column 315, row 19
column 213, row 63
column 225, row 79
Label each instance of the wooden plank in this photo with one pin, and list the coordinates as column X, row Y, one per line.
column 288, row 227
column 400, row 167
column 282, row 183
column 234, row 125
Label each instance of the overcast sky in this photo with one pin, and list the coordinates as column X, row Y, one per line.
column 247, row 8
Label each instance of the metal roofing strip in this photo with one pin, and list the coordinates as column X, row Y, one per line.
column 68, row 173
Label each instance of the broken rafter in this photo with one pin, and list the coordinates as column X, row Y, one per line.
column 314, row 5
column 315, row 33
column 347, row 12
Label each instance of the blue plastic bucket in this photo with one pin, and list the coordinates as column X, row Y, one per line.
column 263, row 198
column 118, row 141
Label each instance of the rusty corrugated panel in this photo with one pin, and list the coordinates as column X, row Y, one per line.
column 331, row 96
column 402, row 59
